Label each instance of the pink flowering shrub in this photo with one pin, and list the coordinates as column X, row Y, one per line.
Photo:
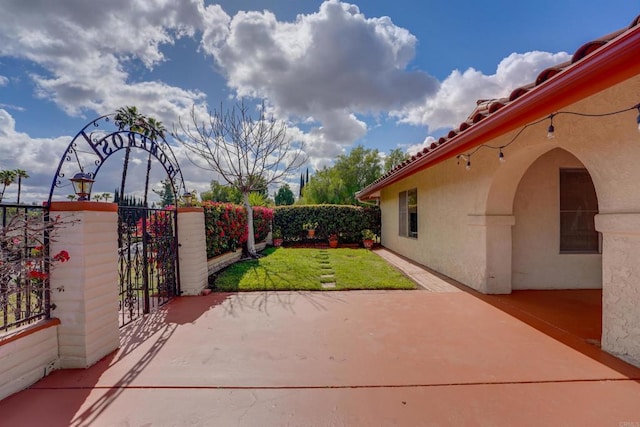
column 226, row 227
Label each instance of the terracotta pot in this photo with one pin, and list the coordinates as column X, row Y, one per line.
column 311, row 233
column 368, row 243
column 333, row 243
column 277, row 242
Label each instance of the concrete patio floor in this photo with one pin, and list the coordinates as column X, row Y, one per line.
column 371, row 358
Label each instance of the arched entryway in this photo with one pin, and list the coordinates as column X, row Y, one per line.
column 148, row 261
column 553, row 265
column 554, row 242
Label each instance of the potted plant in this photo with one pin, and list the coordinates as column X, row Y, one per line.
column 276, row 236
column 310, row 227
column 368, row 237
column 333, row 240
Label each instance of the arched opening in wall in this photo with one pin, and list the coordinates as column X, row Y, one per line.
column 556, row 251
column 555, row 245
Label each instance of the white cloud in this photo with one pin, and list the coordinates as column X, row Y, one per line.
column 416, row 148
column 85, row 50
column 34, row 155
column 458, row 93
column 324, row 68
column 3, row 80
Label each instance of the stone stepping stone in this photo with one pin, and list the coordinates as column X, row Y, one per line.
column 325, row 276
column 329, row 285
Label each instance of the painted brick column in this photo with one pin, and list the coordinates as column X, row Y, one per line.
column 192, row 250
column 85, row 289
column 620, row 284
column 497, row 232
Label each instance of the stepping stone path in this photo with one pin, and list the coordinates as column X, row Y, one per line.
column 327, row 271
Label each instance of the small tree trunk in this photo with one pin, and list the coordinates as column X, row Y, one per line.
column 146, row 181
column 19, row 188
column 125, row 166
column 251, row 241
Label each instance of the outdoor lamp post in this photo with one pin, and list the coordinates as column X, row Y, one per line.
column 82, row 184
column 187, row 198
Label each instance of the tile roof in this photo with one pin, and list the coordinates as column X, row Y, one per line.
column 487, row 107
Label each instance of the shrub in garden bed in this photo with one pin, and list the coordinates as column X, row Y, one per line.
column 262, row 218
column 344, row 220
column 226, row 226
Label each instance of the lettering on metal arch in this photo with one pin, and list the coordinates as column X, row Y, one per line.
column 113, row 142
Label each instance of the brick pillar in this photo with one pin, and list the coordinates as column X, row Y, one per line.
column 192, row 250
column 620, row 286
column 85, row 289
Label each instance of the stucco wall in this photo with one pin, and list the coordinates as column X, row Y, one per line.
column 457, row 208
column 536, row 260
column 26, row 358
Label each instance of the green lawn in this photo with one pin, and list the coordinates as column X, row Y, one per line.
column 310, row 269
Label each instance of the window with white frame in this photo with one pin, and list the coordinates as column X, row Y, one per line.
column 578, row 208
column 408, row 213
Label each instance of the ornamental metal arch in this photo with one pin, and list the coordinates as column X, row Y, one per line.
column 103, row 138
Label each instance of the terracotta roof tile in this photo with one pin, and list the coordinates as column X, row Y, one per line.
column 486, row 107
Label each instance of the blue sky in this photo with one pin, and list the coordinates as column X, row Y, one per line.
column 384, row 74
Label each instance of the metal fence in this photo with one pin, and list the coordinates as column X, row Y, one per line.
column 24, row 265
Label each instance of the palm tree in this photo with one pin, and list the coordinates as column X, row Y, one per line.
column 154, row 129
column 97, row 197
column 71, row 197
column 106, row 196
column 20, row 174
column 128, row 118
column 7, row 177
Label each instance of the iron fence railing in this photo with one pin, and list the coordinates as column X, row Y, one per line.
column 24, row 265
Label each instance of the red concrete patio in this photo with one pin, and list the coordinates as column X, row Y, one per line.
column 452, row 357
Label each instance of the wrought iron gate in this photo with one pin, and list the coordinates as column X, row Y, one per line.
column 147, row 260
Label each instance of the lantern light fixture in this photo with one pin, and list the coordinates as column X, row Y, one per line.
column 82, row 183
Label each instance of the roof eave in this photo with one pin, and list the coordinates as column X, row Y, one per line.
column 611, row 64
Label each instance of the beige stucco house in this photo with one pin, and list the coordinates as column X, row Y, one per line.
column 560, row 213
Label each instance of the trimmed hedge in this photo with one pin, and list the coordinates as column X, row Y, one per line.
column 226, row 226
column 345, row 220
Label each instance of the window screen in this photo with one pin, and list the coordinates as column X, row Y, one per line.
column 408, row 213
column 578, row 208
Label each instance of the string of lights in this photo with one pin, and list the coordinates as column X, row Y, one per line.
column 550, row 132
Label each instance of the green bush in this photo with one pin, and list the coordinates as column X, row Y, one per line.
column 345, row 220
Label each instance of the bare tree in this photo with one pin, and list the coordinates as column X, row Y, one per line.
column 246, row 152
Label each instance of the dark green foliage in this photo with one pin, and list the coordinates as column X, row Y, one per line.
column 344, row 220
column 395, row 157
column 339, row 183
column 222, row 193
column 284, row 196
column 127, row 200
column 167, row 198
